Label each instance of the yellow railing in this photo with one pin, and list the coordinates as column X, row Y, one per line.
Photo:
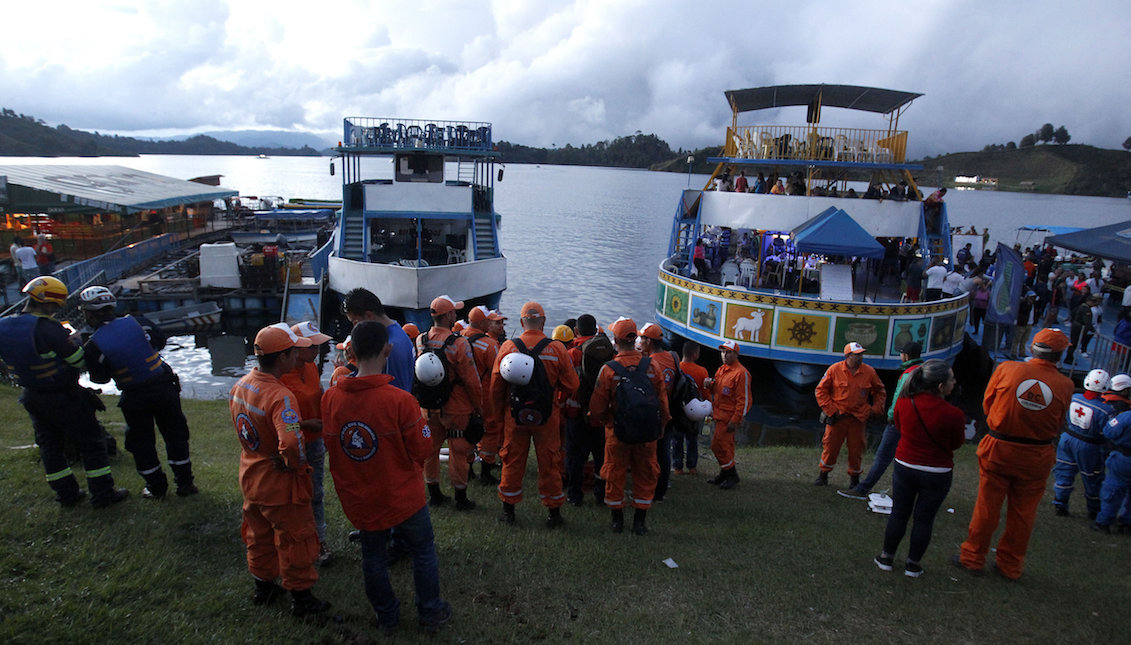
column 816, row 143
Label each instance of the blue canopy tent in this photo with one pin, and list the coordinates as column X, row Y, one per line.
column 1111, row 242
column 834, row 232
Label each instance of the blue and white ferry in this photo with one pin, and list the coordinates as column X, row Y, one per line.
column 778, row 274
column 418, row 217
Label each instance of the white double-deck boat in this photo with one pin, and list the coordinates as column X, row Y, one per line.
column 778, row 274
column 418, row 217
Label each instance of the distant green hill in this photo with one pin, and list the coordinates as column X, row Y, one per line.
column 1051, row 168
column 1056, row 169
column 23, row 135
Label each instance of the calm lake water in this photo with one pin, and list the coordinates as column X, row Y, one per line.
column 577, row 239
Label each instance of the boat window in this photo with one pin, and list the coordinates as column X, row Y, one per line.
column 440, row 241
column 420, row 167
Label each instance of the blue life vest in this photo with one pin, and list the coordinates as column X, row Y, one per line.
column 17, row 348
column 126, row 348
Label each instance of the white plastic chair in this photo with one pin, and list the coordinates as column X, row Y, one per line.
column 746, row 272
column 456, row 255
column 729, row 272
column 840, row 148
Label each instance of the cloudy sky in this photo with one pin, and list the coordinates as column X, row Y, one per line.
column 551, row 73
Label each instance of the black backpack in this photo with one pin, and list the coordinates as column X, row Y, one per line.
column 433, row 397
column 684, row 390
column 595, row 352
column 636, row 418
column 533, row 403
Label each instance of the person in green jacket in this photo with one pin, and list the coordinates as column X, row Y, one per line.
column 885, row 452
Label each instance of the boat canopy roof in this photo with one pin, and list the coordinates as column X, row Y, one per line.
column 853, row 97
column 112, row 188
column 834, row 232
column 1111, row 242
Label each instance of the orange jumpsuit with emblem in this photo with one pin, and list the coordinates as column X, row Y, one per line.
column 278, row 522
column 620, row 456
column 449, row 422
column 546, row 437
column 485, row 349
column 846, row 392
column 730, row 403
column 1025, row 403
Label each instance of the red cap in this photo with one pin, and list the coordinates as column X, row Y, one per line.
column 1052, row 338
column 412, row 330
column 729, row 345
column 276, row 338
column 652, row 330
column 533, row 310
column 623, row 329
column 443, row 304
column 853, row 348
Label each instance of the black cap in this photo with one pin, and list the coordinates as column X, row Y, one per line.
column 913, row 349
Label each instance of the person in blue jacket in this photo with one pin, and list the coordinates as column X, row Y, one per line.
column 46, row 361
column 127, row 349
column 1081, row 445
column 1116, row 491
column 362, row 304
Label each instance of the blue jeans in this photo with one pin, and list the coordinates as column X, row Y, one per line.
column 1075, row 456
column 415, row 533
column 915, row 495
column 316, row 457
column 689, row 441
column 885, row 452
column 664, row 459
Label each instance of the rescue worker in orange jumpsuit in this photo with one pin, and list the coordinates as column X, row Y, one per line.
column 730, row 392
column 650, row 342
column 848, row 394
column 546, row 436
column 278, row 523
column 1025, row 404
column 449, row 422
column 621, row 456
column 485, row 349
column 378, row 441
column 305, row 383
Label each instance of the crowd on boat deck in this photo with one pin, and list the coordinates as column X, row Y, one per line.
column 794, row 184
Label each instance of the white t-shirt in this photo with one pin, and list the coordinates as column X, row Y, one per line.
column 935, row 276
column 952, row 283
column 26, row 255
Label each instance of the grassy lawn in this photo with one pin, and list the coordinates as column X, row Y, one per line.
column 775, row 560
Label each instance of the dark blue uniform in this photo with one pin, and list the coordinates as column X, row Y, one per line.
column 126, row 349
column 40, row 353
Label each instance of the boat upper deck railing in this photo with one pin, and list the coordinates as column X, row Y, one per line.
column 815, row 143
column 388, row 135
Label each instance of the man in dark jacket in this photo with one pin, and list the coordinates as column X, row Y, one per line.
column 1082, row 328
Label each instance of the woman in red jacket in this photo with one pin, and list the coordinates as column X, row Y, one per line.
column 930, row 431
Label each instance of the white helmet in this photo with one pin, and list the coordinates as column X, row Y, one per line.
column 97, row 297
column 1120, row 382
column 1097, row 381
column 697, row 409
column 516, row 368
column 430, row 369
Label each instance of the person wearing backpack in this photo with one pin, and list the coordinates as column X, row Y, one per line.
column 589, row 353
column 485, row 349
column 448, row 416
column 689, row 443
column 523, row 413
column 650, row 340
column 730, row 392
column 631, row 400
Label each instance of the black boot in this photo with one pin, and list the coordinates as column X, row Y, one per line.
column 618, row 521
column 822, row 479
column 303, row 603
column 599, row 492
column 266, row 592
column 638, row 527
column 508, row 514
column 718, row 479
column 435, row 497
column 731, row 479
column 854, row 480
column 182, row 477
column 156, row 485
column 462, row 502
column 554, row 519
column 485, row 476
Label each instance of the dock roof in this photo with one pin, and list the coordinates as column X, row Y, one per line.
column 111, row 187
column 853, row 97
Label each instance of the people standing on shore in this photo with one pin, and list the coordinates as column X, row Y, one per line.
column 649, row 341
column 46, row 360
column 305, row 382
column 378, row 442
column 585, row 436
column 910, row 354
column 847, row 394
column 485, row 349
column 24, row 257
column 278, row 521
column 930, row 430
column 688, row 444
column 361, row 304
column 632, row 426
column 730, row 401
column 531, row 418
column 128, row 349
column 1025, row 404
column 1081, row 446
column 450, row 413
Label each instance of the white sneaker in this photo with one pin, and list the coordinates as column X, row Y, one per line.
column 1084, row 354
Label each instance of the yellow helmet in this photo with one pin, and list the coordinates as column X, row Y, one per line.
column 562, row 333
column 46, row 289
